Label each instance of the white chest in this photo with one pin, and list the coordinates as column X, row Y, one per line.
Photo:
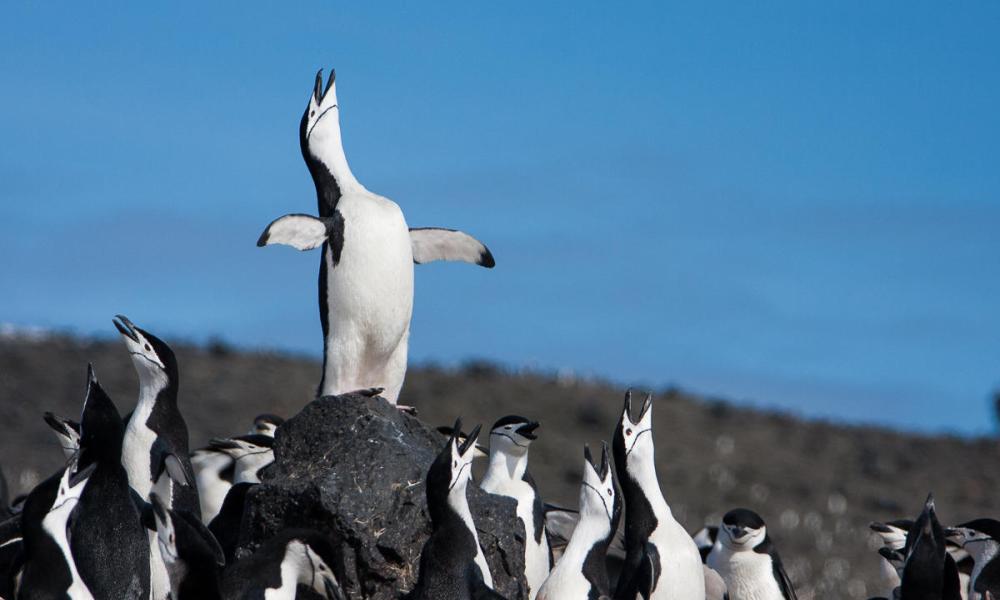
column 682, row 576
column 536, row 553
column 748, row 575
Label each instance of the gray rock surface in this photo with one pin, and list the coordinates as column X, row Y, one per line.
column 353, row 468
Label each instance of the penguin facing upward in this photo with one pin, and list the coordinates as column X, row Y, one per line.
column 292, row 558
column 368, row 253
column 67, row 433
column 251, row 455
column 581, row 571
column 452, row 564
column 507, row 475
column 981, row 539
column 928, row 571
column 109, row 543
column 49, row 571
column 651, row 532
column 747, row 560
column 156, row 436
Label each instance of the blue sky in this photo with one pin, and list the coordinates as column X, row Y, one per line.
column 793, row 205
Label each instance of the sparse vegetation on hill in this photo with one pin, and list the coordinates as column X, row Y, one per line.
column 816, row 484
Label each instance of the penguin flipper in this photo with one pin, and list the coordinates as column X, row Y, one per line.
column 165, row 460
column 432, row 243
column 481, row 591
column 302, row 232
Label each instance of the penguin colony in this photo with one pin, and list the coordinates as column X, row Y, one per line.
column 136, row 514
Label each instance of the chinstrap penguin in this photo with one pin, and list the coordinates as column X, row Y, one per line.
column 251, row 454
column 452, row 564
column 747, row 560
column 507, row 475
column 109, row 543
column 368, row 253
column 582, row 571
column 67, row 433
column 981, row 539
column 652, row 535
column 928, row 571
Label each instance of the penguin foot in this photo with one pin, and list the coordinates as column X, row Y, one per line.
column 369, row 392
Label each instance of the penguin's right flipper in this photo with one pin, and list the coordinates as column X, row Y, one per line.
column 302, row 232
column 165, row 460
column 432, row 243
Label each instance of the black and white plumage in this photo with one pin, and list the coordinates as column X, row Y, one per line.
column 747, row 560
column 49, row 570
column 452, row 564
column 582, row 572
column 155, row 447
column 928, row 571
column 191, row 556
column 292, row 558
column 893, row 535
column 366, row 267
column 652, row 535
column 507, row 475
column 980, row 538
column 67, row 433
column 109, row 543
column 251, row 454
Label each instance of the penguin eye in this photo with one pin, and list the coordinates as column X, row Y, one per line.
column 610, row 493
column 628, row 431
column 454, row 463
column 147, row 348
column 312, row 113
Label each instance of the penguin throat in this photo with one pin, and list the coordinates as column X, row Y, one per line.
column 642, row 477
column 328, row 166
column 512, row 466
column 155, row 388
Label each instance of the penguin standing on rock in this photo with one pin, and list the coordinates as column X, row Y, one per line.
column 652, row 535
column 110, row 545
column 747, row 560
column 581, row 571
column 368, row 253
column 507, row 475
column 452, row 564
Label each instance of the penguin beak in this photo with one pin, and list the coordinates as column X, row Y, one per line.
column 528, row 430
column 222, row 444
column 332, row 592
column 879, row 527
column 126, row 327
column 469, row 441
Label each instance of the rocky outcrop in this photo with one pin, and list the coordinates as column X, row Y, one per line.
column 353, row 468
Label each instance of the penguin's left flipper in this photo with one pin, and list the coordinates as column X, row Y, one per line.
column 431, row 243
column 481, row 591
column 165, row 460
column 302, row 232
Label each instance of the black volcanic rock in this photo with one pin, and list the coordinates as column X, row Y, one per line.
column 353, row 468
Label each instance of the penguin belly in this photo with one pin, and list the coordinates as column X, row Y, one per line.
column 369, row 299
column 748, row 575
column 682, row 576
column 212, row 488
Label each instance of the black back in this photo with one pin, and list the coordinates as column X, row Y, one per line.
column 249, row 577
column 777, row 568
column 924, row 572
column 46, row 574
column 202, row 559
column 109, row 544
column 11, row 554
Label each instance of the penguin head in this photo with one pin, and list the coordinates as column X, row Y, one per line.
column 599, row 497
column 634, row 437
column 244, row 445
column 451, row 470
column 67, row 432
column 975, row 532
column 152, row 358
column 101, row 427
column 893, row 533
column 71, row 485
column 317, row 559
column 321, row 120
column 512, row 435
column 266, row 424
column 742, row 529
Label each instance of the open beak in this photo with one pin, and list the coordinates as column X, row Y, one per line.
column 223, row 444
column 469, row 441
column 333, row 592
column 528, row 430
column 126, row 327
column 879, row 527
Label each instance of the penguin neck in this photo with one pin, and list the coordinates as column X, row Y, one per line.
column 459, row 507
column 641, row 476
column 248, row 465
column 294, row 566
column 508, row 465
column 54, row 524
column 590, row 532
column 330, row 171
column 157, row 389
column 982, row 553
